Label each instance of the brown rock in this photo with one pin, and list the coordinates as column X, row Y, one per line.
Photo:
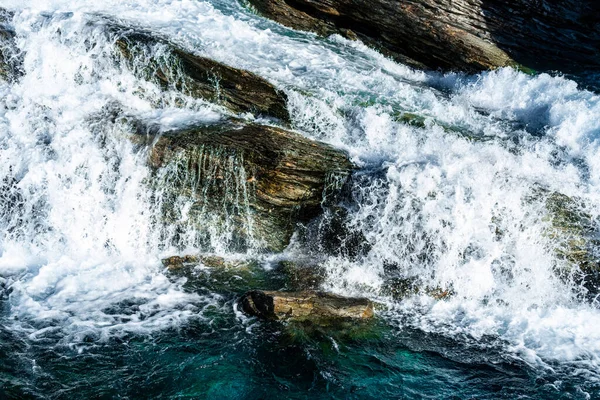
column 176, row 263
column 308, row 305
column 259, row 181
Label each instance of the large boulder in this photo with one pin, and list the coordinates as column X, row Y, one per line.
column 253, row 183
column 308, row 305
column 469, row 35
column 236, row 89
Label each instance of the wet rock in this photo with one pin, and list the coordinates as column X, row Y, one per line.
column 400, row 288
column 335, row 235
column 236, row 89
column 178, row 263
column 308, row 305
column 9, row 61
column 251, row 182
column 302, row 276
column 230, row 276
column 576, row 238
column 457, row 34
column 3, row 66
column 245, row 273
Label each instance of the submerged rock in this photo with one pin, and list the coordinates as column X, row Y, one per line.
column 335, row 234
column 457, row 34
column 255, row 182
column 3, row 65
column 236, row 89
column 308, row 305
column 227, row 276
column 241, row 274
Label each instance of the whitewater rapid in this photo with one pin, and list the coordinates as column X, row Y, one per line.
column 79, row 227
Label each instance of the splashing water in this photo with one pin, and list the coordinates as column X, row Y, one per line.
column 456, row 174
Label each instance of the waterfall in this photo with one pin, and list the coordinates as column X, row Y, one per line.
column 476, row 185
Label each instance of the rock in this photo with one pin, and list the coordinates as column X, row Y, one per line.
column 467, row 35
column 334, row 235
column 246, row 273
column 308, row 305
column 9, row 62
column 576, row 239
column 401, row 288
column 176, row 263
column 236, row 89
column 302, row 276
column 3, row 66
column 228, row 276
column 253, row 183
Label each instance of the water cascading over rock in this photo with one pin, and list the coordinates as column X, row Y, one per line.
column 238, row 90
column 231, row 185
column 576, row 241
column 247, row 184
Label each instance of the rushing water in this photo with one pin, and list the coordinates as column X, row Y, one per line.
column 456, row 174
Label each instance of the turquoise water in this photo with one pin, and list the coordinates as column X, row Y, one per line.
column 456, row 175
column 223, row 356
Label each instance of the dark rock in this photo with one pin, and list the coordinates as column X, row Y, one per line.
column 306, row 305
column 334, row 235
column 236, row 89
column 400, row 288
column 467, row 35
column 259, row 181
column 302, row 276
